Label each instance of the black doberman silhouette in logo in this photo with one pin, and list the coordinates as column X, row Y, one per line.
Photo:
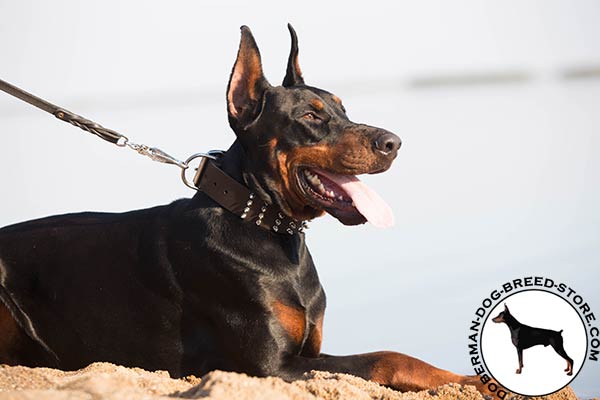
column 524, row 337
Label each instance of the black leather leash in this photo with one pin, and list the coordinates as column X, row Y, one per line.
column 65, row 115
column 209, row 178
column 87, row 125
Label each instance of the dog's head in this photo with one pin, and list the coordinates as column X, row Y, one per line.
column 302, row 151
column 502, row 317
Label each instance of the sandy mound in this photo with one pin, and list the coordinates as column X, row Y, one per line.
column 102, row 381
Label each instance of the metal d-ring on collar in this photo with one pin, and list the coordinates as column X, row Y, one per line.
column 210, row 179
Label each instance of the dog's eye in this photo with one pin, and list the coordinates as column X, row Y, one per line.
column 311, row 116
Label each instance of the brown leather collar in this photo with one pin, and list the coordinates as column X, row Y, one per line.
column 240, row 200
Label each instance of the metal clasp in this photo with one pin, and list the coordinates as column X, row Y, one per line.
column 211, row 155
column 155, row 154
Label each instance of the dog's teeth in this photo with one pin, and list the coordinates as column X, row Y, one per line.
column 331, row 194
column 310, row 175
column 321, row 188
column 315, row 180
column 340, row 198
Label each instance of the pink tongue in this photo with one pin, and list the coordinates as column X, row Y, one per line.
column 366, row 201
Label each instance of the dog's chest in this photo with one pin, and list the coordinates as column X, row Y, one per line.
column 514, row 336
column 297, row 305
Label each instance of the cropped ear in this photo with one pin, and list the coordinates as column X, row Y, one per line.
column 506, row 307
column 247, row 83
column 293, row 75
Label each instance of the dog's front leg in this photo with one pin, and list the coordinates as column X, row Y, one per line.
column 395, row 370
column 520, row 353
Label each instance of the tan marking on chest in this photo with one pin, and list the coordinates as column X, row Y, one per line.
column 291, row 319
column 312, row 348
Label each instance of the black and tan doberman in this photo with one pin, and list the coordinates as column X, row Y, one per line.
column 524, row 336
column 195, row 285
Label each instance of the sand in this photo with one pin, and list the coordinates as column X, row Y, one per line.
column 104, row 381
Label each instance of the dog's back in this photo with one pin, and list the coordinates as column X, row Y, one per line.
column 529, row 336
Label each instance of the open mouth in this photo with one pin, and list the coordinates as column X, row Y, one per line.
column 345, row 197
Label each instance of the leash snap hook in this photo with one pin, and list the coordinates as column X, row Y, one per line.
column 155, row 154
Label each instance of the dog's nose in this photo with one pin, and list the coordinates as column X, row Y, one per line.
column 387, row 144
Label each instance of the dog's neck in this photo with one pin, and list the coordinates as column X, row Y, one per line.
column 511, row 321
column 235, row 164
column 232, row 162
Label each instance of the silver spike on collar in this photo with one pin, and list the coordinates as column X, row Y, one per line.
column 268, row 217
